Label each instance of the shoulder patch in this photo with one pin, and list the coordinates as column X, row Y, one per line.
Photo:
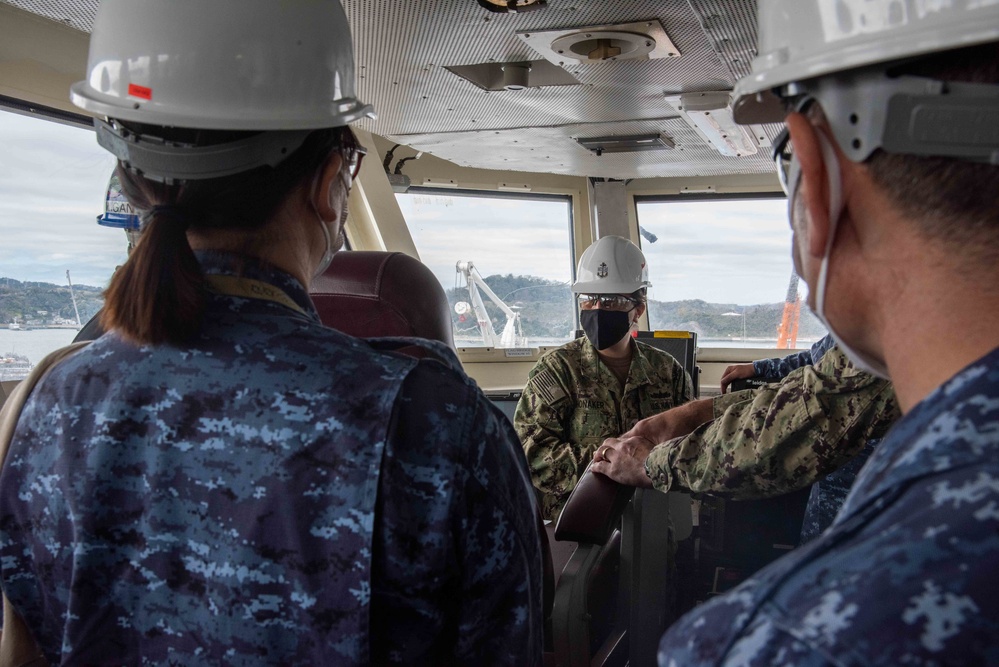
column 548, row 387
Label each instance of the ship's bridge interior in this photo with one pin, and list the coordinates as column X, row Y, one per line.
column 510, row 136
column 615, row 112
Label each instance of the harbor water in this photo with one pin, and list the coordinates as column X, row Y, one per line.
column 34, row 343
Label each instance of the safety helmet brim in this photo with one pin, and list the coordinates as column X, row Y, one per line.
column 598, row 287
column 342, row 112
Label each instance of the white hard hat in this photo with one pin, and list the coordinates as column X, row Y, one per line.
column 222, row 64
column 839, row 53
column 612, row 265
column 805, row 39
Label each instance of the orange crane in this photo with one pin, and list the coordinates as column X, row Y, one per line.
column 787, row 332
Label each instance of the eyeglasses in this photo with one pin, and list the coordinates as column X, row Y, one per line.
column 782, row 152
column 355, row 160
column 607, row 302
column 353, row 153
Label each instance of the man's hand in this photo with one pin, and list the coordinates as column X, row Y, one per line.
column 623, row 460
column 673, row 423
column 736, row 372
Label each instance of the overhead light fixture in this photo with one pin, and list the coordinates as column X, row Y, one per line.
column 710, row 114
column 626, row 144
column 513, row 6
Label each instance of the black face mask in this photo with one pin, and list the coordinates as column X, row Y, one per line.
column 605, row 327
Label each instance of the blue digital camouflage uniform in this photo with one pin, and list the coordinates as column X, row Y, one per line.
column 273, row 493
column 907, row 573
column 829, row 493
column 780, row 367
column 573, row 402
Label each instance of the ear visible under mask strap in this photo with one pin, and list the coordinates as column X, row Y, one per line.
column 327, row 258
column 835, row 209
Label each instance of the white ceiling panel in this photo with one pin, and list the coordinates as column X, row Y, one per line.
column 403, row 48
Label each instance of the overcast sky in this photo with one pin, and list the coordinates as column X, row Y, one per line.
column 53, row 180
column 52, row 184
column 522, row 237
column 734, row 251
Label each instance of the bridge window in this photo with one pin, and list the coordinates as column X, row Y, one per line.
column 722, row 268
column 518, row 247
column 54, row 178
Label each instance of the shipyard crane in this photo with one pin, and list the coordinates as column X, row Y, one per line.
column 513, row 335
column 787, row 332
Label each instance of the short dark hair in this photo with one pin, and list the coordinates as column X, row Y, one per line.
column 639, row 295
column 158, row 295
column 948, row 199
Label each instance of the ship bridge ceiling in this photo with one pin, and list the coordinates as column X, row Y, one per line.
column 413, row 57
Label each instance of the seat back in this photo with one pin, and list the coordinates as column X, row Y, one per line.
column 370, row 294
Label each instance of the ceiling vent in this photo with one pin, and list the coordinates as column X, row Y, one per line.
column 626, row 144
column 642, row 40
column 515, row 76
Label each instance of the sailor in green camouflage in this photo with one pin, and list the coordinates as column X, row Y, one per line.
column 781, row 437
column 572, row 402
column 598, row 386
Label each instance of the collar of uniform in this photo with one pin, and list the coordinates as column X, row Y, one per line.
column 637, row 373
column 219, row 263
column 951, row 428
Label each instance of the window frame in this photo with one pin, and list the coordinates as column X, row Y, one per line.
column 43, row 112
column 727, row 354
column 567, row 198
column 705, row 197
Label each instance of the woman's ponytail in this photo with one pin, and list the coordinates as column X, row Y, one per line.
column 158, row 296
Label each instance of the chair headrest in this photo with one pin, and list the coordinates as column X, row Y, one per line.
column 593, row 510
column 370, row 293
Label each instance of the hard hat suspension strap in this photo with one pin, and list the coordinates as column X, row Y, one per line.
column 167, row 162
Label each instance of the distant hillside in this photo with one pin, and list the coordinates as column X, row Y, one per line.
column 39, row 304
column 546, row 307
column 710, row 320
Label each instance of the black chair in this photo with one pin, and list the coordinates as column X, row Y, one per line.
column 374, row 294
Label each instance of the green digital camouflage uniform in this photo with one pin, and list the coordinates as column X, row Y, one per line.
column 780, row 437
column 572, row 402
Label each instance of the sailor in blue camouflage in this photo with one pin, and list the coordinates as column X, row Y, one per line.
column 829, row 493
column 274, row 493
column 781, row 367
column 919, row 534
